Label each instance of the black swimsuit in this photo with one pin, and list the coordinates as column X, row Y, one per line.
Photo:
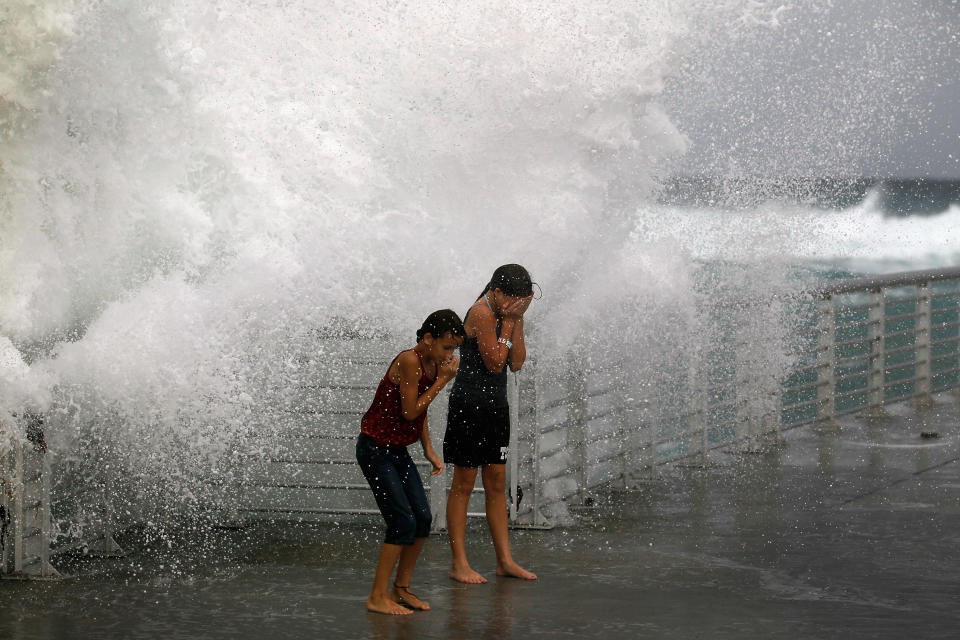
column 478, row 420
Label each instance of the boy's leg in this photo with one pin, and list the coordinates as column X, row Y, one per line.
column 494, row 486
column 460, row 490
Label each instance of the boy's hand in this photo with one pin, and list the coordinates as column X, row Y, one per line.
column 436, row 462
column 448, row 368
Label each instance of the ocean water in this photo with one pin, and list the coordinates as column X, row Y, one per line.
column 194, row 191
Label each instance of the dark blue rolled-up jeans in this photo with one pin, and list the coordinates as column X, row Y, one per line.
column 396, row 485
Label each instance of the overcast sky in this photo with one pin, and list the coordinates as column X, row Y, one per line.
column 865, row 88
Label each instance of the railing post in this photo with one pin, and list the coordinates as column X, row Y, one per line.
column 513, row 478
column 698, row 419
column 622, row 432
column 25, row 522
column 826, row 357
column 530, row 422
column 527, row 503
column 877, row 359
column 438, row 483
column 577, row 419
column 923, row 351
column 748, row 403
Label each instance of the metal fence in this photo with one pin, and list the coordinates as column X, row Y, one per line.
column 851, row 346
column 873, row 341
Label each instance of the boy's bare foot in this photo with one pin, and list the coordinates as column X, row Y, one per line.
column 467, row 575
column 513, row 570
column 386, row 605
column 404, row 596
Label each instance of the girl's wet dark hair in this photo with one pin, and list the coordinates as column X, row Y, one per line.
column 512, row 280
column 440, row 323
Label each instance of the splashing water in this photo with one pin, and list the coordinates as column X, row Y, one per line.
column 192, row 189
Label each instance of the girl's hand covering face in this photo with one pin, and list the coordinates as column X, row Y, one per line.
column 516, row 307
column 449, row 367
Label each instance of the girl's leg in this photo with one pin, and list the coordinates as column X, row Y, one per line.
column 379, row 600
column 401, row 587
column 381, row 471
column 463, row 481
column 494, row 486
column 420, row 508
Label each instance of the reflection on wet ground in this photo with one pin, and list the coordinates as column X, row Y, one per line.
column 850, row 531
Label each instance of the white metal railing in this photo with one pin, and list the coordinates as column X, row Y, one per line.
column 873, row 341
column 858, row 344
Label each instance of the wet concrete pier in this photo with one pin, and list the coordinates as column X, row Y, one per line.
column 852, row 531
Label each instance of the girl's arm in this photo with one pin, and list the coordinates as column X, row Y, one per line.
column 519, row 351
column 428, row 451
column 493, row 352
column 408, row 365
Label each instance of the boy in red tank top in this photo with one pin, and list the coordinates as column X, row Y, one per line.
column 397, row 417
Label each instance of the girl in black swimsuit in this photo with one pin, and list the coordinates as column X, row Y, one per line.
column 478, row 422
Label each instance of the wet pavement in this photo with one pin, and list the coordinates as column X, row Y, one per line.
column 853, row 531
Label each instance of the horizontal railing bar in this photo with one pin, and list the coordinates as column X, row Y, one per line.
column 328, row 412
column 893, row 352
column 601, row 392
column 905, row 381
column 555, row 427
column 312, row 435
column 944, row 325
column 949, row 356
column 851, row 376
column 802, row 405
column 839, row 362
column 905, row 365
column 947, row 294
column 873, row 283
column 945, row 372
column 344, row 486
column 602, row 414
column 862, row 323
column 840, row 309
column 337, row 387
column 906, row 332
column 905, row 316
column 850, row 394
column 332, row 462
column 304, row 510
column 847, row 343
column 934, row 343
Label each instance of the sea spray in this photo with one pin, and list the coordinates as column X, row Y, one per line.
column 203, row 190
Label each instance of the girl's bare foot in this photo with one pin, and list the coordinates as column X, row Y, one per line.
column 404, row 596
column 467, row 575
column 513, row 570
column 387, row 606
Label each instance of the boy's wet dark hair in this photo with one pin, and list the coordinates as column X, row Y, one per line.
column 512, row 279
column 440, row 323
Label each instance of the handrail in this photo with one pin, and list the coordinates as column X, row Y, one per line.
column 886, row 281
column 589, row 444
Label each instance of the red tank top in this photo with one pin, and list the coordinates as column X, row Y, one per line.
column 384, row 421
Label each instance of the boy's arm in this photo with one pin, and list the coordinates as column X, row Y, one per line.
column 428, row 451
